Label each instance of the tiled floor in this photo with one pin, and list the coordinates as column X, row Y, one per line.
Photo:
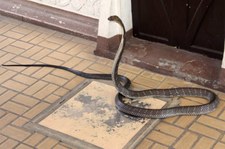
column 25, row 92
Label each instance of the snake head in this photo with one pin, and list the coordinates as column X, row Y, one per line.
column 113, row 18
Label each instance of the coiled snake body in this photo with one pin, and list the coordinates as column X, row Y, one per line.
column 122, row 84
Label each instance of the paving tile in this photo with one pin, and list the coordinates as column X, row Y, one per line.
column 219, row 145
column 36, row 110
column 205, row 143
column 61, row 91
column 13, row 85
column 24, row 79
column 21, row 44
column 74, row 82
column 21, row 30
column 41, row 54
column 83, row 65
column 2, row 113
column 6, row 58
column 58, row 146
column 30, row 36
column 22, row 60
column 20, row 122
column 161, row 138
column 48, row 143
column 66, row 47
column 55, row 80
column 34, row 139
column 13, row 34
column 145, row 144
column 186, row 141
column 7, row 119
column 42, row 72
column 204, row 130
column 57, row 40
column 50, row 60
column 52, row 98
column 23, row 146
column 77, row 49
column 7, row 96
column 15, row 133
column 60, row 56
column 169, row 129
column 46, row 91
column 6, row 28
column 35, row 88
column 13, row 50
column 185, row 121
column 212, row 122
column 14, row 107
column 2, row 138
column 9, row 144
column 147, row 82
column 30, row 52
column 223, row 139
column 159, row 146
column 49, row 45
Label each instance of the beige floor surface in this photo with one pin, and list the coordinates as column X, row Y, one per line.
column 26, row 92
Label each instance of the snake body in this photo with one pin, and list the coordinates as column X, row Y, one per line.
column 122, row 84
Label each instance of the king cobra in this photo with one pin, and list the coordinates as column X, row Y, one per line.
column 122, row 85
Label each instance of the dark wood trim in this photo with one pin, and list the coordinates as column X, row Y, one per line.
column 50, row 17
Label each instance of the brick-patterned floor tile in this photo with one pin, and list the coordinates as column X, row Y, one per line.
column 46, row 91
column 7, row 96
column 35, row 88
column 36, row 110
column 20, row 122
column 204, row 130
column 145, row 144
column 159, row 146
column 2, row 138
column 13, row 85
column 21, row 44
column 58, row 146
column 161, row 138
column 30, row 36
column 212, row 122
column 186, row 141
column 66, row 47
column 205, row 143
column 14, row 107
column 25, row 100
column 219, row 145
column 34, row 139
column 13, row 34
column 7, row 119
column 9, row 144
column 15, row 133
column 24, row 79
column 23, row 146
column 13, row 50
column 169, row 129
column 48, row 143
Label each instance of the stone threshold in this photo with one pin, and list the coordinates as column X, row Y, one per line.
column 164, row 59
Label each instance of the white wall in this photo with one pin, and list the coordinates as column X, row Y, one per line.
column 121, row 8
column 223, row 63
column 90, row 8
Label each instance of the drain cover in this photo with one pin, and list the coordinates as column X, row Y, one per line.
column 87, row 118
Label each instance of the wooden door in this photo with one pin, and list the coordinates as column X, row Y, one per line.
column 195, row 25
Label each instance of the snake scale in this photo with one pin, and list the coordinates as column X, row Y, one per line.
column 122, row 84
